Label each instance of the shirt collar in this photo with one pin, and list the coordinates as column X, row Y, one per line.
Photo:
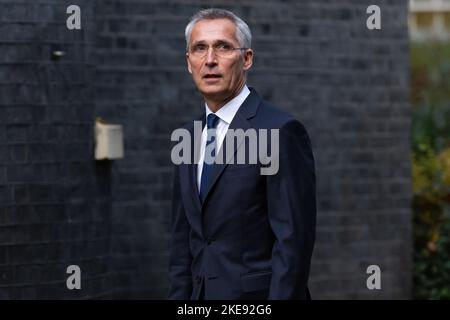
column 228, row 111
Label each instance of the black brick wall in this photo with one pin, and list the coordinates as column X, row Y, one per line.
column 55, row 201
column 347, row 84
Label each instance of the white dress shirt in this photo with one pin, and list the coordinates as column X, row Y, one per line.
column 226, row 115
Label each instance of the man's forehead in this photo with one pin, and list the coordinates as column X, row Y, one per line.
column 212, row 30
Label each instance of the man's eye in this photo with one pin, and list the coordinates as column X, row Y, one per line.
column 224, row 47
column 199, row 48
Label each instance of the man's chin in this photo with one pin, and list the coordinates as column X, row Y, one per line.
column 212, row 91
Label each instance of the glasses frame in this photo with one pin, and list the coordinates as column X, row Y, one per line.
column 188, row 52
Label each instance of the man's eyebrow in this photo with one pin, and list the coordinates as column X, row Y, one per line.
column 198, row 42
column 223, row 41
column 219, row 41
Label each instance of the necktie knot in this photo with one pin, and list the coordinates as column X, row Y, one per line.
column 211, row 121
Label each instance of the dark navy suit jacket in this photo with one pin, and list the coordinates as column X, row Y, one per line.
column 253, row 236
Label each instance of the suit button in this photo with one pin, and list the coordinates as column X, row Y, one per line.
column 209, row 241
column 198, row 279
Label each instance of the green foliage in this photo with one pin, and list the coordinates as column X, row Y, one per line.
column 430, row 96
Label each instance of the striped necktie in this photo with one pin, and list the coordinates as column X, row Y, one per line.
column 211, row 123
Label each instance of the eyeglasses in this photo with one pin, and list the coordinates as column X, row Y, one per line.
column 223, row 50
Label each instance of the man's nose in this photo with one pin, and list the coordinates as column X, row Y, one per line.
column 211, row 58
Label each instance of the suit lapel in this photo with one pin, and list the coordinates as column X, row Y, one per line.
column 240, row 121
column 195, row 150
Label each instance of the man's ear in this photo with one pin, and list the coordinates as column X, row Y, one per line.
column 188, row 63
column 248, row 59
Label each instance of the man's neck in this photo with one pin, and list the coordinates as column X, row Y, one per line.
column 215, row 104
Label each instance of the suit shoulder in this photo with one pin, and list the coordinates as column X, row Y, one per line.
column 273, row 116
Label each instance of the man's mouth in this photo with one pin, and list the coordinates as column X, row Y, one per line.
column 212, row 76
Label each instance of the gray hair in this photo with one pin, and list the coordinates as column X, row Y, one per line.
column 243, row 34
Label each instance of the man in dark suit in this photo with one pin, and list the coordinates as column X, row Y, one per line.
column 238, row 233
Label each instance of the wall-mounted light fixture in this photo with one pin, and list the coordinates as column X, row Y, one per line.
column 108, row 140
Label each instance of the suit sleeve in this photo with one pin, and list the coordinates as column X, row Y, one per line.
column 292, row 213
column 180, row 277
